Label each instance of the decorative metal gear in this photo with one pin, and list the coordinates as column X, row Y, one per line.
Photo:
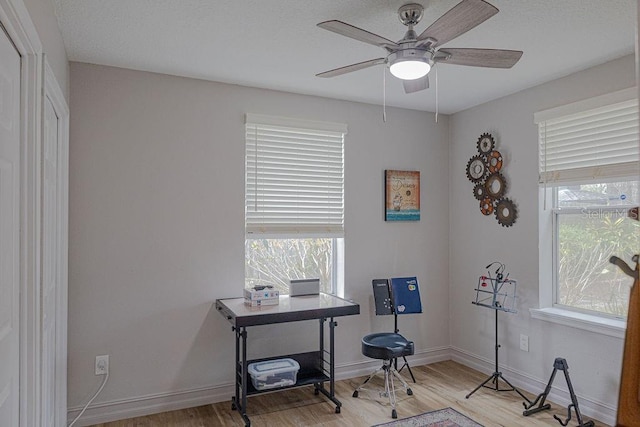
column 486, row 206
column 476, row 169
column 490, row 186
column 494, row 161
column 506, row 212
column 495, row 186
column 486, row 143
column 479, row 191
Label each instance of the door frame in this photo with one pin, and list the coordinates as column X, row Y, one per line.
column 16, row 21
column 53, row 92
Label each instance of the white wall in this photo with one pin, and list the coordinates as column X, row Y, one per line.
column 475, row 241
column 157, row 233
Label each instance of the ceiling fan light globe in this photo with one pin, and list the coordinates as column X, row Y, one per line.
column 410, row 69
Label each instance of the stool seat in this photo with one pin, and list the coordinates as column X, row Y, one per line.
column 386, row 346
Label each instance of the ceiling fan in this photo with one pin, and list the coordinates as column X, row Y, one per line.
column 411, row 58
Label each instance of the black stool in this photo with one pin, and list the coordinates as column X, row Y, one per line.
column 387, row 346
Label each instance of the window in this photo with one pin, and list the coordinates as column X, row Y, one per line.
column 294, row 202
column 589, row 180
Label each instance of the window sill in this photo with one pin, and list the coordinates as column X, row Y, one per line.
column 587, row 322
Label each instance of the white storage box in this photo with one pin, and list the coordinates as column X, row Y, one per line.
column 299, row 287
column 262, row 294
column 273, row 373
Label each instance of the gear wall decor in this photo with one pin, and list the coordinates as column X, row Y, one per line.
column 490, row 185
column 477, row 168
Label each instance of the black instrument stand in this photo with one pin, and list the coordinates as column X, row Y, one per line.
column 395, row 361
column 497, row 375
column 558, row 364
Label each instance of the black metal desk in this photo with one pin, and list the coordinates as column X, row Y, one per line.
column 316, row 367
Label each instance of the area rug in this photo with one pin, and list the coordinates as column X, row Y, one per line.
column 447, row 417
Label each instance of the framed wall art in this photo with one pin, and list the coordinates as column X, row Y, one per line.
column 401, row 195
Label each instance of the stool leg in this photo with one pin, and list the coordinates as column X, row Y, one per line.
column 376, row 372
column 389, row 387
column 404, row 383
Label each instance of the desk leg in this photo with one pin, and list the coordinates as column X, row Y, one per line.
column 320, row 386
column 331, row 394
column 236, row 380
column 332, row 369
column 243, row 408
column 239, row 401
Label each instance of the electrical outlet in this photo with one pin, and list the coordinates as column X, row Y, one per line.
column 524, row 342
column 102, row 364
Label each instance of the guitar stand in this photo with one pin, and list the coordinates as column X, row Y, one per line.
column 558, row 364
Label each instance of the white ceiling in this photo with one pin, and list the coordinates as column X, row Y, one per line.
column 276, row 44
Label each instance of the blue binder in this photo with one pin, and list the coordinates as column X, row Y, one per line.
column 406, row 295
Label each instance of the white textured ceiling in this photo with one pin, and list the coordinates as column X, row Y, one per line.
column 275, row 44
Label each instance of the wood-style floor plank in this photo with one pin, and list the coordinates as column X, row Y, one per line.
column 439, row 385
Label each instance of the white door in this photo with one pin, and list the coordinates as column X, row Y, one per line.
column 50, row 273
column 9, row 225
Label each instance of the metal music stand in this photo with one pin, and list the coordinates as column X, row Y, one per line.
column 499, row 294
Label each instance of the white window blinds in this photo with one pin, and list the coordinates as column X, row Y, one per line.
column 589, row 140
column 294, row 181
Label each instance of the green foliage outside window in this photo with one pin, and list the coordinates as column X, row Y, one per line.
column 587, row 238
column 586, row 278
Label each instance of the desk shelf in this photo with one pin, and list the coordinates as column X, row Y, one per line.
column 309, row 373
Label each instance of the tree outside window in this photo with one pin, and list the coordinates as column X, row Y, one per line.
column 592, row 225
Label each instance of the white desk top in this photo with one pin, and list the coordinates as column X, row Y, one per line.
column 290, row 309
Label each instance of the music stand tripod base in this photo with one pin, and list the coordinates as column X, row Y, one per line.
column 497, row 375
column 494, row 378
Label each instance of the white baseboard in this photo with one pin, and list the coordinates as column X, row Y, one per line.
column 588, row 407
column 150, row 404
column 171, row 401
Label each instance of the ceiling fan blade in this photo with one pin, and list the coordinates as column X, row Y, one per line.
column 352, row 67
column 416, row 85
column 491, row 58
column 461, row 18
column 349, row 30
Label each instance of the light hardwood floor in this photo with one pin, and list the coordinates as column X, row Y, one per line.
column 439, row 385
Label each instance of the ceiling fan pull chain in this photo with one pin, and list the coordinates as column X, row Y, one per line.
column 384, row 94
column 544, row 138
column 436, row 67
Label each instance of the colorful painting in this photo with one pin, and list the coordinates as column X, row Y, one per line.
column 402, row 195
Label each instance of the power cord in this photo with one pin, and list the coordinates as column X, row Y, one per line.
column 104, row 382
